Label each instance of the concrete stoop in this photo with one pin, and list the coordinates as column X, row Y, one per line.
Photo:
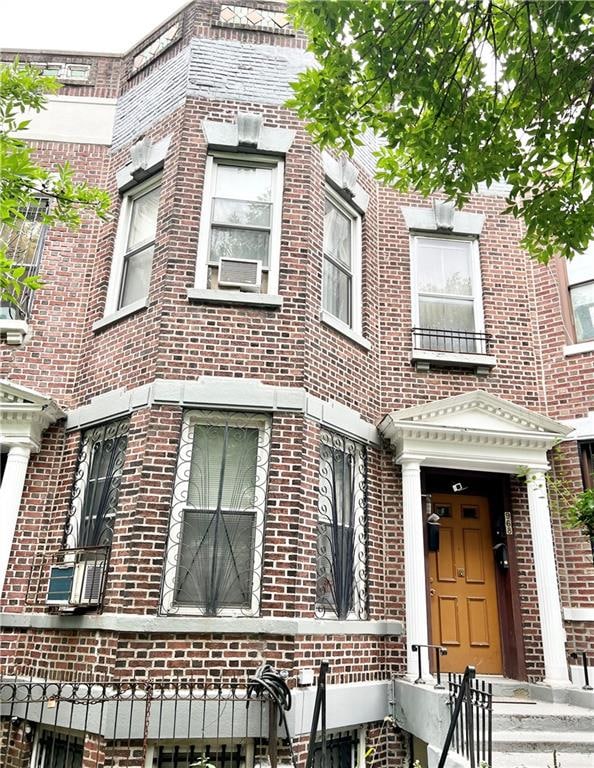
column 531, row 733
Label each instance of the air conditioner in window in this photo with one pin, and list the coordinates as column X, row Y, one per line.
column 244, row 274
column 76, row 584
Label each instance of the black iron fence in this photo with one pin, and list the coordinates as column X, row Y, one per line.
column 139, row 723
column 471, row 727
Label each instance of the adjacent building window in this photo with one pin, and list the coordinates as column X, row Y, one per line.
column 24, row 244
column 447, row 296
column 214, row 557
column 135, row 246
column 586, row 450
column 580, row 278
column 342, row 261
column 240, row 226
column 78, row 572
column 342, row 528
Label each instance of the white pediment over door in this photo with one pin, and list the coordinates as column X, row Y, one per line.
column 24, row 415
column 475, row 430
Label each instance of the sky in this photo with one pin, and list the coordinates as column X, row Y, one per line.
column 107, row 26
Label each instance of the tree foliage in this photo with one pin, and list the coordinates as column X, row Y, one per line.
column 461, row 92
column 23, row 182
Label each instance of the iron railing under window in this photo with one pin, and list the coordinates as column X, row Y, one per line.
column 162, row 723
column 24, row 245
column 438, row 340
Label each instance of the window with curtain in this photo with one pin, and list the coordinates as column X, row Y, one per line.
column 340, row 279
column 217, row 519
column 580, row 278
column 447, row 306
column 342, row 528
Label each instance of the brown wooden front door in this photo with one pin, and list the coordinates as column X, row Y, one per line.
column 462, row 591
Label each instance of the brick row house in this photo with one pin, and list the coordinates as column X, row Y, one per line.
column 274, row 412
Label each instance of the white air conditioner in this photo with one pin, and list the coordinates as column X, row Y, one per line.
column 75, row 585
column 244, row 274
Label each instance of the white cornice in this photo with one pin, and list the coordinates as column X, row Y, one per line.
column 24, row 415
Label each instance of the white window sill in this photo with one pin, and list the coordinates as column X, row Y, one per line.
column 578, row 349
column 14, row 331
column 341, row 327
column 209, row 296
column 424, row 359
column 136, row 306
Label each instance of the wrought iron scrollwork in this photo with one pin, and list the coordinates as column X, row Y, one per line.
column 342, row 528
column 214, row 552
column 96, row 486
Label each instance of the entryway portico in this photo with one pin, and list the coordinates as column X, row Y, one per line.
column 482, row 433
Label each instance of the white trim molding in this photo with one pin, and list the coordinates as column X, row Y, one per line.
column 424, row 220
column 73, row 119
column 578, row 614
column 476, row 431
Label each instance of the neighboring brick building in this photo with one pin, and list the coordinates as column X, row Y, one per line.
column 221, row 442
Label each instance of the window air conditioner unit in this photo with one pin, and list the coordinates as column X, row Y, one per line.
column 244, row 274
column 76, row 585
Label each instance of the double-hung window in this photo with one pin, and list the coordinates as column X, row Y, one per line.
column 580, row 278
column 342, row 528
column 447, row 295
column 214, row 557
column 240, row 224
column 135, row 246
column 23, row 243
column 341, row 279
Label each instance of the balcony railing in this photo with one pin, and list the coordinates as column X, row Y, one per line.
column 459, row 342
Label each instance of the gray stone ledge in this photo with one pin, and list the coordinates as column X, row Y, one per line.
column 224, row 392
column 198, row 625
column 423, row 220
column 208, row 296
column 131, row 309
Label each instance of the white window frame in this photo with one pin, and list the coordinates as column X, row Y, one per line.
column 356, row 267
column 255, row 161
column 178, row 507
column 114, row 287
column 589, row 279
column 475, row 276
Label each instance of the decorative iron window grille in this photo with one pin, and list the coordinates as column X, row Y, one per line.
column 438, row 340
column 96, row 486
column 57, row 750
column 342, row 528
column 214, row 552
column 24, row 245
column 341, row 751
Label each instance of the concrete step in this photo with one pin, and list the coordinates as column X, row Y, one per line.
column 562, row 759
column 505, row 688
column 544, row 741
column 542, row 716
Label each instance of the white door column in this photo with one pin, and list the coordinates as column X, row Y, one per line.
column 11, row 492
column 549, row 603
column 414, row 568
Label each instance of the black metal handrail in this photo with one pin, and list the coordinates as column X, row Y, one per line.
column 471, row 724
column 319, row 710
column 439, row 652
column 440, row 340
column 576, row 655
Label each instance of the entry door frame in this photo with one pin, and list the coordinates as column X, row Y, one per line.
column 496, row 489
